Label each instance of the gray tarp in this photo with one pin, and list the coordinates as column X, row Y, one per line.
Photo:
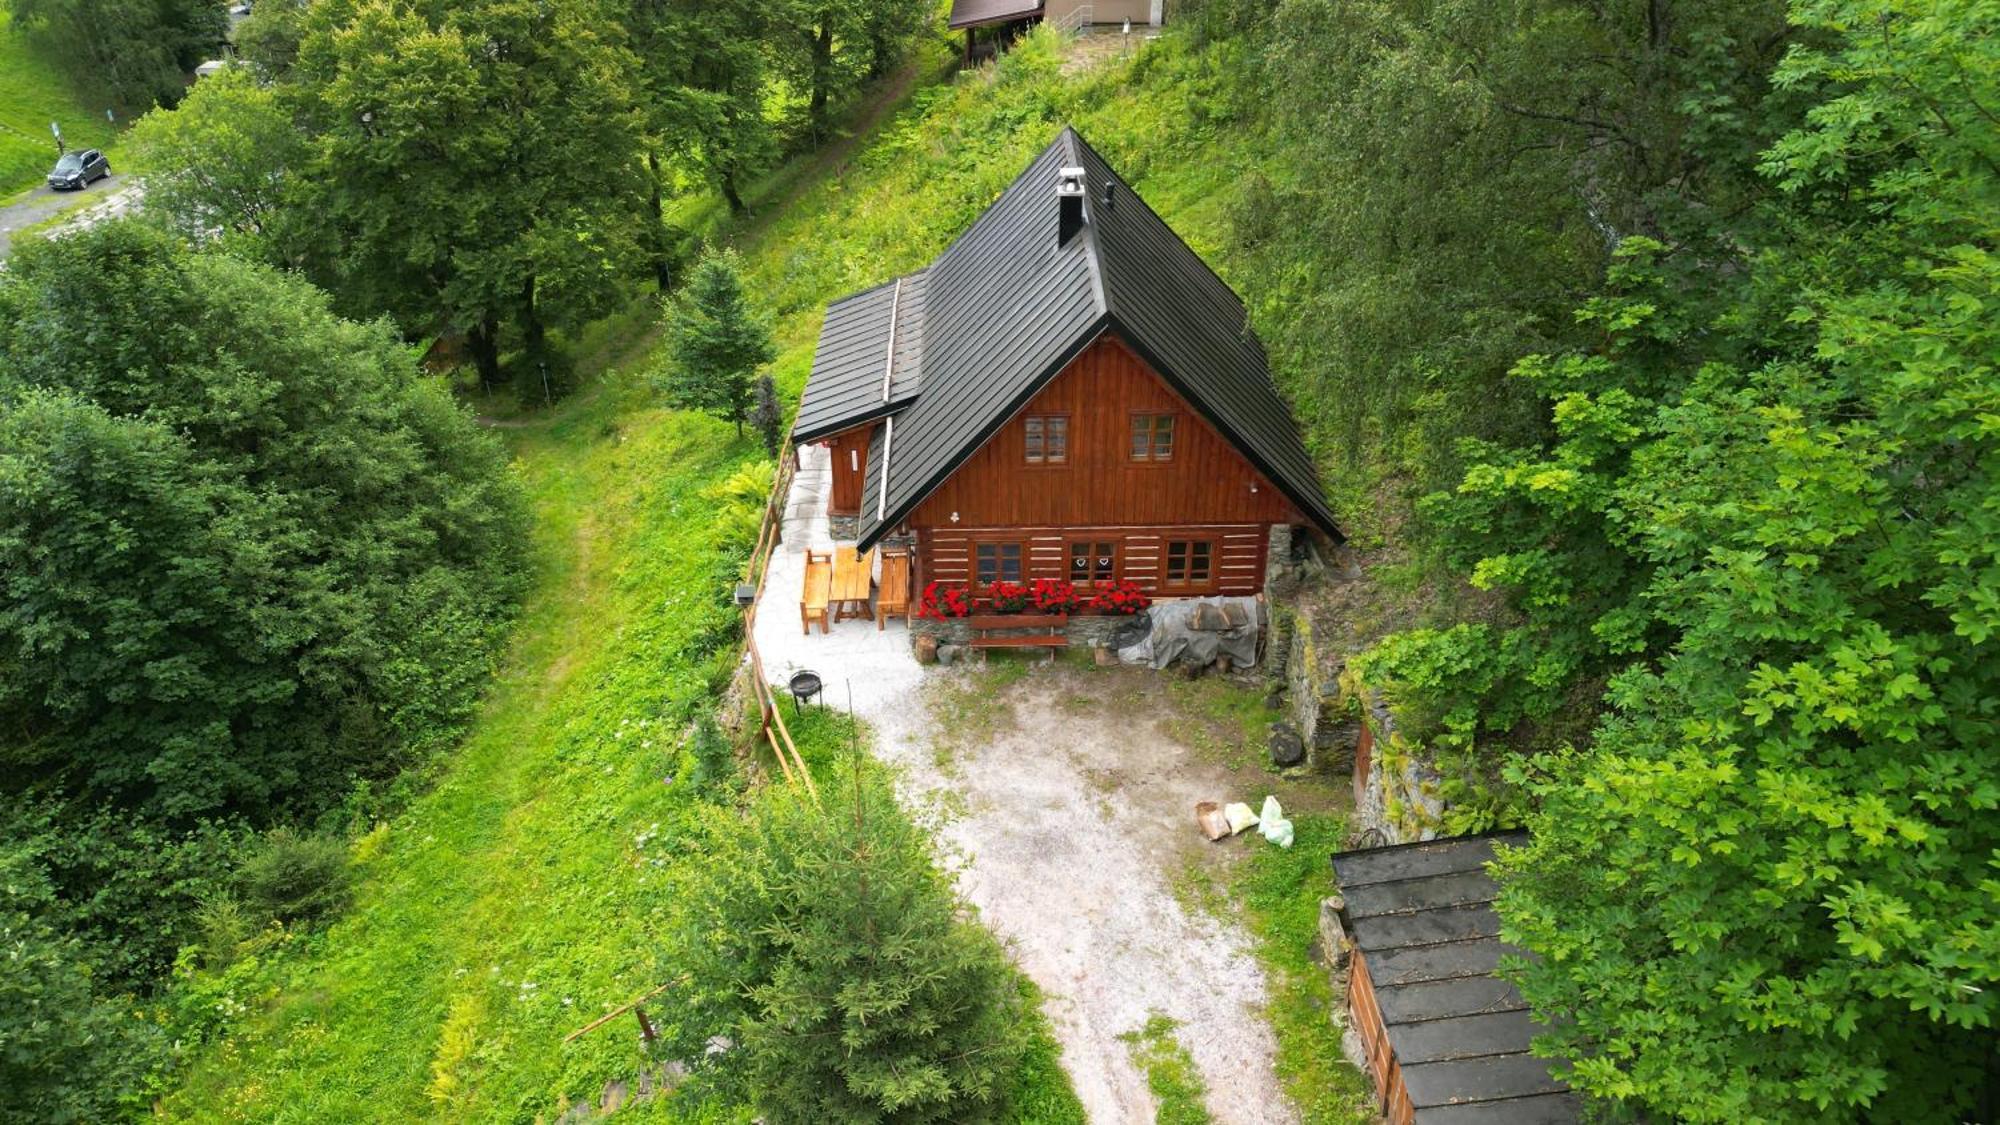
column 1175, row 637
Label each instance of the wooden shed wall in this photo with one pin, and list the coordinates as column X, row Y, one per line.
column 850, row 463
column 1206, row 482
column 1395, row 1099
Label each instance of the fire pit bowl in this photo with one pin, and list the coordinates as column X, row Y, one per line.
column 804, row 685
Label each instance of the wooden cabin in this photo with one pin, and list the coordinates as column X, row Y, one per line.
column 1068, row 391
column 1445, row 1037
column 1002, row 20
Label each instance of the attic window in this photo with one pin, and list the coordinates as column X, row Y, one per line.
column 1047, row 439
column 1152, row 437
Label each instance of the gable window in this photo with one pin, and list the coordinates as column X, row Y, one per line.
column 997, row 562
column 1189, row 561
column 1047, row 439
column 1092, row 562
column 1152, row 437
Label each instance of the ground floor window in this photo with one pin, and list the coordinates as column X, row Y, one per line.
column 1190, row 562
column 1093, row 561
column 997, row 562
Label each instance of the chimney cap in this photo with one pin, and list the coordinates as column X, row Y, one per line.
column 1069, row 180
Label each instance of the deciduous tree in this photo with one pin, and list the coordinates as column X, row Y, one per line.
column 1768, row 884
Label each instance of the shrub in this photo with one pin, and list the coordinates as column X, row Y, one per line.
column 294, row 877
column 66, row 1053
column 831, row 951
column 712, row 761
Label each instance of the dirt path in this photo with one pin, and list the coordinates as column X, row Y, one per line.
column 1067, row 796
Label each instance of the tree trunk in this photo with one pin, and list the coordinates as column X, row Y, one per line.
column 533, row 332
column 483, row 341
column 729, row 192
column 822, row 75
column 662, row 267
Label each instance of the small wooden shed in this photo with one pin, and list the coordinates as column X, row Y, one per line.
column 1446, row 1038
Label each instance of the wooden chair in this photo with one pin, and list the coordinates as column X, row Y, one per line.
column 893, row 595
column 818, row 590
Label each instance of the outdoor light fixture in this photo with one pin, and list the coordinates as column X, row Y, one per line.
column 954, row 517
column 746, row 594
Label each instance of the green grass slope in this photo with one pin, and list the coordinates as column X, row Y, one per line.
column 33, row 92
column 515, row 900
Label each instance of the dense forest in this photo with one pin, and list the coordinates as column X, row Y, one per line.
column 1647, row 347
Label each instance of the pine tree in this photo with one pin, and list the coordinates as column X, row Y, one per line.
column 717, row 342
column 831, row 953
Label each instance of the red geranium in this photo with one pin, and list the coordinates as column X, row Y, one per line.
column 1009, row 597
column 941, row 601
column 1123, row 596
column 1054, row 595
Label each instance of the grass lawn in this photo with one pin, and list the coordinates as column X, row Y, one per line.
column 33, row 92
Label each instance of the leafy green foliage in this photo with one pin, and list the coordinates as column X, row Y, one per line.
column 471, row 163
column 1765, row 517
column 247, row 554
column 66, row 1053
column 716, row 343
column 222, row 162
column 1441, row 181
column 137, row 51
column 830, row 950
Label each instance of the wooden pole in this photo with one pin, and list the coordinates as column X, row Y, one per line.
column 613, row 1014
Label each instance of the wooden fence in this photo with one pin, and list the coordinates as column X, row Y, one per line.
column 771, row 721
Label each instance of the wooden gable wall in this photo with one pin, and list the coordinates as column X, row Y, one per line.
column 1206, row 482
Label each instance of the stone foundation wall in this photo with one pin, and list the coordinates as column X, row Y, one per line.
column 1325, row 706
column 1084, row 631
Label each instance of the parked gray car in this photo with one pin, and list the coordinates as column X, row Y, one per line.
column 76, row 169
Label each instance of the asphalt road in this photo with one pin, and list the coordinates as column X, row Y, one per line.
column 112, row 194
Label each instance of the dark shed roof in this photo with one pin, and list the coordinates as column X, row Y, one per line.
column 1422, row 916
column 1005, row 309
column 852, row 381
column 974, row 13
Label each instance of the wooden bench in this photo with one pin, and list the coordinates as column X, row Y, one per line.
column 893, row 595
column 985, row 625
column 818, row 590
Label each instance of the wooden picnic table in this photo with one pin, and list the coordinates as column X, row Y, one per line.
column 853, row 575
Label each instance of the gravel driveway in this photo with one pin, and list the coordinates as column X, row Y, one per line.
column 1063, row 798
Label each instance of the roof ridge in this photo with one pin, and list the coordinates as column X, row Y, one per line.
column 1073, row 146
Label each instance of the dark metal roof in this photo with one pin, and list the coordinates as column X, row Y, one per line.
column 1422, row 916
column 852, row 380
column 1006, row 309
column 974, row 13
